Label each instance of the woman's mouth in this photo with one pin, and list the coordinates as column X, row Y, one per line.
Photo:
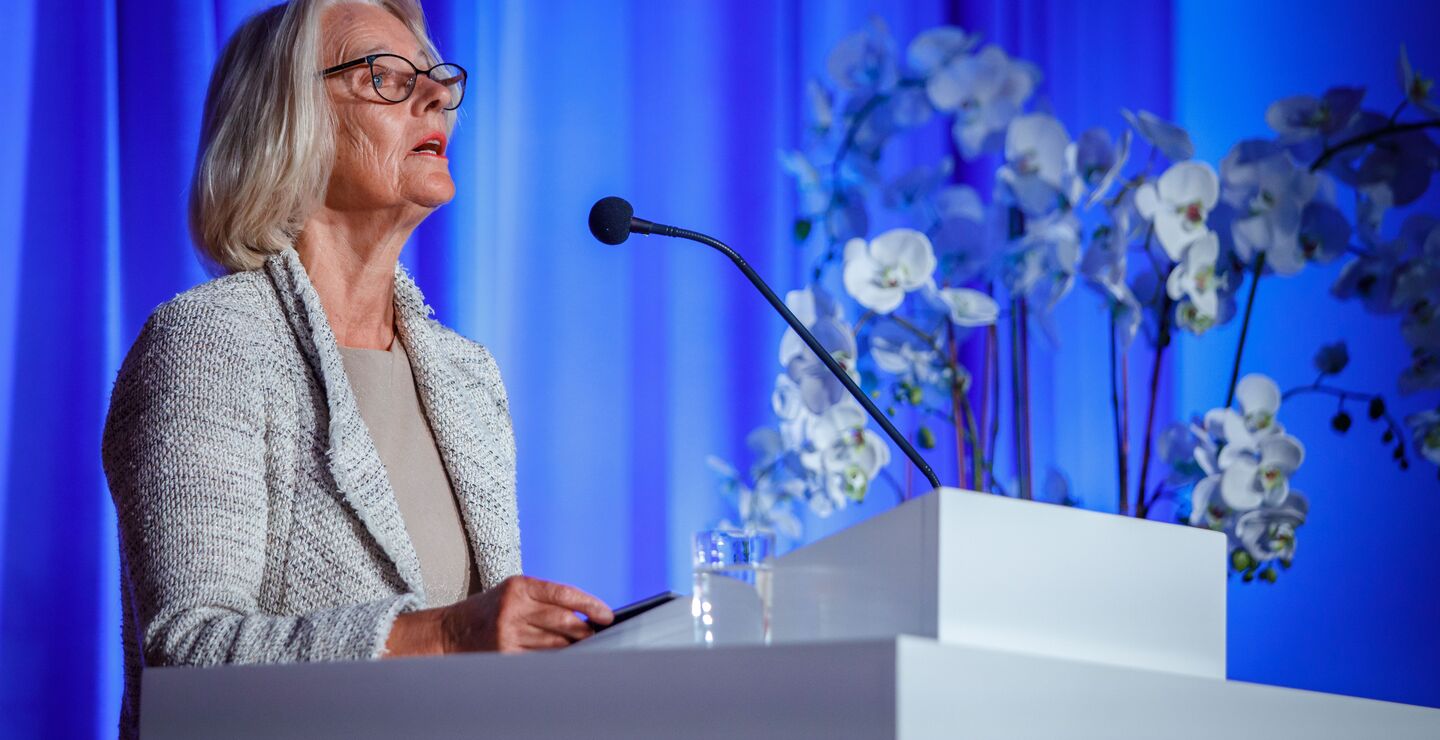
column 433, row 145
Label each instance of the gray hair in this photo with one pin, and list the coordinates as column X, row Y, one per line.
column 267, row 136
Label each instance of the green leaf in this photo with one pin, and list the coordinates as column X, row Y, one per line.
column 926, row 438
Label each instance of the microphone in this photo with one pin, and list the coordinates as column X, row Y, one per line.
column 612, row 221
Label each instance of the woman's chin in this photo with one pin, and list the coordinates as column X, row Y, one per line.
column 433, row 194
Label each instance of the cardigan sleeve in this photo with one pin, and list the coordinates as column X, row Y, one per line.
column 185, row 454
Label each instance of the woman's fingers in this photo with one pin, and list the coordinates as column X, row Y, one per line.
column 572, row 599
column 561, row 621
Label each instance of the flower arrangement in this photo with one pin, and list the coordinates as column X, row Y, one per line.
column 1168, row 241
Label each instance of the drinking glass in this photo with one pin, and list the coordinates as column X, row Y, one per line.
column 733, row 582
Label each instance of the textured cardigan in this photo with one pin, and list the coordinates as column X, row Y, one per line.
column 256, row 521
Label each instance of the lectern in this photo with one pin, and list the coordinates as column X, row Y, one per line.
column 956, row 614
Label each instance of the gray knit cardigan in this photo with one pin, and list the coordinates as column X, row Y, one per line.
column 256, row 521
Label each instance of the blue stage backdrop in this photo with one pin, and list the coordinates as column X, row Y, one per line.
column 627, row 366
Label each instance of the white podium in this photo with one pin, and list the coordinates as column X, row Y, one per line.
column 955, row 615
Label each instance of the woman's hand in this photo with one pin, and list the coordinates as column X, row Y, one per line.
column 519, row 614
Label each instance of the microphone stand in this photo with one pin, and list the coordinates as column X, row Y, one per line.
column 641, row 226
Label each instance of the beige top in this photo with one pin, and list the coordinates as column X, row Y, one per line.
column 391, row 407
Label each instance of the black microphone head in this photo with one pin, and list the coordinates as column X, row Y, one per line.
column 610, row 220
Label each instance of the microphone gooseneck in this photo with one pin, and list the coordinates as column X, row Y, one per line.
column 612, row 220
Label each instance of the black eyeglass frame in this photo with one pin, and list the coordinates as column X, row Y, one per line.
column 369, row 61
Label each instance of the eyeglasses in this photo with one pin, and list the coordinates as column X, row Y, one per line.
column 393, row 77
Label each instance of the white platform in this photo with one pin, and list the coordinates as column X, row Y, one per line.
column 993, row 572
column 898, row 688
column 998, row 573
column 955, row 615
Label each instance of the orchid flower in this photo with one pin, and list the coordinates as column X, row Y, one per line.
column 818, row 388
column 1035, row 163
column 1425, row 430
column 864, row 61
column 1304, row 116
column 1417, row 88
column 1096, row 162
column 1269, row 192
column 1178, row 204
column 879, row 274
column 969, row 308
column 1194, row 277
column 937, row 47
column 900, row 352
column 985, row 90
column 1173, row 141
column 1269, row 533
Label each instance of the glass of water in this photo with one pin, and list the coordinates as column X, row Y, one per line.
column 733, row 574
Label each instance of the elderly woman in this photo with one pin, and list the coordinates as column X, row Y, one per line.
column 304, row 465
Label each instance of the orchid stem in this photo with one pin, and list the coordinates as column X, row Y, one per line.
column 1366, row 138
column 1115, row 418
column 992, row 398
column 955, row 395
column 1162, row 341
column 1245, row 327
column 974, row 434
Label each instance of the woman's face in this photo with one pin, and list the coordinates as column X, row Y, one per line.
column 376, row 162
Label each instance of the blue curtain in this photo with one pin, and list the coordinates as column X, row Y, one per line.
column 626, row 366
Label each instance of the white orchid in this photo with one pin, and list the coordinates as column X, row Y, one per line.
column 985, row 90
column 1259, row 398
column 817, row 387
column 1418, row 88
column 1178, row 204
column 814, row 197
column 1194, row 277
column 864, row 61
column 1035, row 171
column 1371, row 276
column 899, row 351
column 879, row 274
column 844, row 454
column 1173, row 141
column 969, row 308
column 962, row 239
column 1244, row 462
column 1304, row 116
column 1268, row 533
column 937, row 47
column 1423, row 372
column 1425, row 430
column 1252, row 476
column 1269, row 192
column 1324, row 232
column 1096, row 162
column 1043, row 263
column 768, row 506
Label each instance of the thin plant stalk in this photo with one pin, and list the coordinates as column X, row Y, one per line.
column 974, row 434
column 1245, row 328
column 1017, row 404
column 955, row 394
column 1026, row 482
column 1162, row 341
column 1019, row 371
column 1121, row 454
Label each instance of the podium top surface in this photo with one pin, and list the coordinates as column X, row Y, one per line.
column 903, row 687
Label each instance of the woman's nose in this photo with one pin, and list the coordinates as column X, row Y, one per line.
column 430, row 95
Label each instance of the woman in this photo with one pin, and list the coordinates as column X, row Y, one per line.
column 304, row 465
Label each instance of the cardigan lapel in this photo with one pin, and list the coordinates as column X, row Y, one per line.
column 354, row 463
column 476, row 447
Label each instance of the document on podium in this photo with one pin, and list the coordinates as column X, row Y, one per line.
column 667, row 626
